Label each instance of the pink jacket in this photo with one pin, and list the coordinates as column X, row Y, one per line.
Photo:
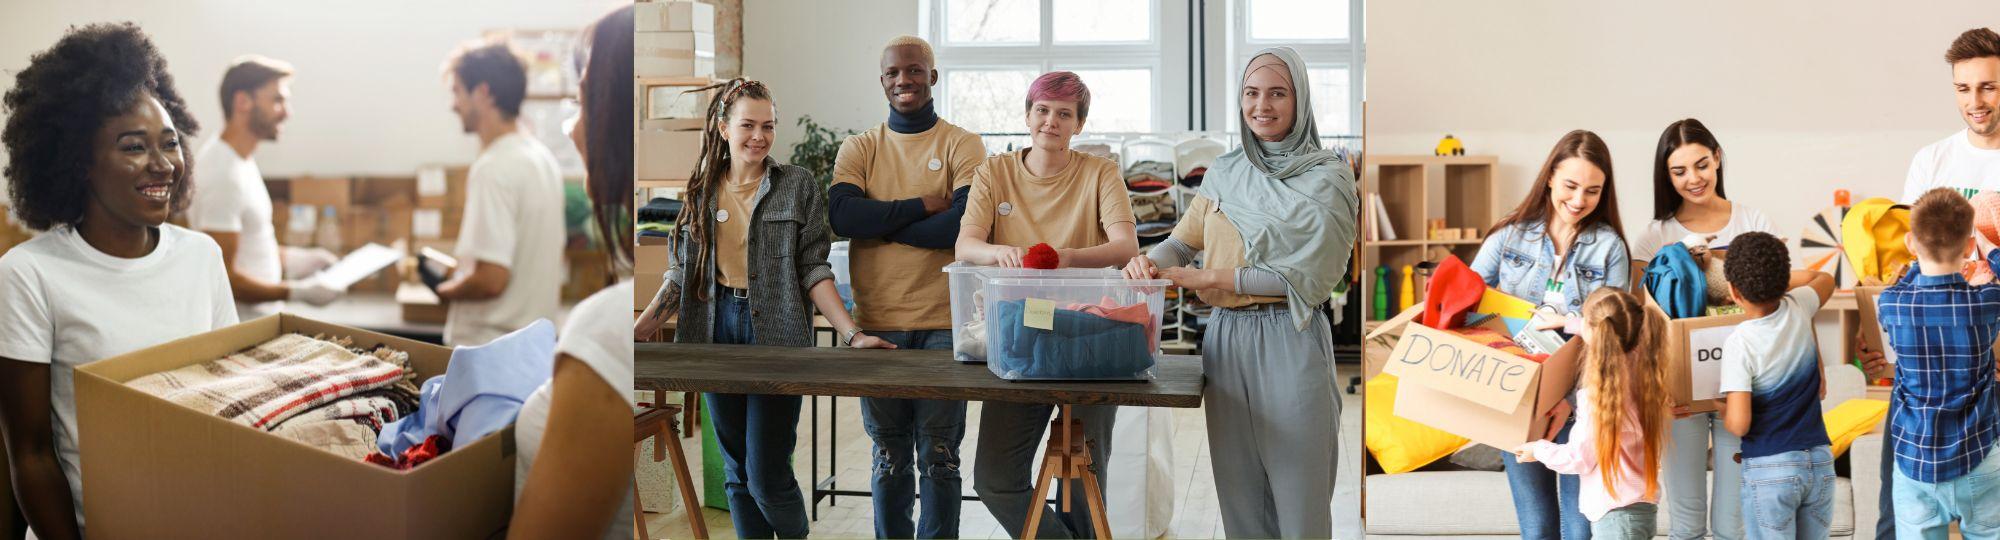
column 1579, row 457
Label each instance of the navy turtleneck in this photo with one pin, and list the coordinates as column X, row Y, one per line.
column 917, row 122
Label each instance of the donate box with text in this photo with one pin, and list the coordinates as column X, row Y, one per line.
column 1465, row 388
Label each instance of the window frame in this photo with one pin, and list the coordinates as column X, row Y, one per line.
column 1047, row 54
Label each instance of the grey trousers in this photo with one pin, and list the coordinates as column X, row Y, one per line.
column 1635, row 522
column 1273, row 414
column 1004, row 470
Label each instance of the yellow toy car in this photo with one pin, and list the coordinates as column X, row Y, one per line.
column 1450, row 147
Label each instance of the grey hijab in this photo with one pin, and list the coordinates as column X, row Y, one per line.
column 1300, row 149
column 1293, row 202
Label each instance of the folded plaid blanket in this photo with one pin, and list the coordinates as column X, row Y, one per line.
column 276, row 380
column 345, row 437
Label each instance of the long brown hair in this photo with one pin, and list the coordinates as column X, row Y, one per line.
column 709, row 170
column 1536, row 208
column 1622, row 368
column 607, row 98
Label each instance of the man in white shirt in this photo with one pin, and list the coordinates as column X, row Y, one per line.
column 232, row 206
column 1967, row 161
column 510, row 244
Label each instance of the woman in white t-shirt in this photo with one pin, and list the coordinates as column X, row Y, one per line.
column 97, row 163
column 573, row 475
column 1689, row 206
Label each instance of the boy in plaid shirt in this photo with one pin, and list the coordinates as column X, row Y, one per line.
column 1947, row 407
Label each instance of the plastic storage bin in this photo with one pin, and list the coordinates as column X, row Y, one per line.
column 968, row 301
column 1088, row 328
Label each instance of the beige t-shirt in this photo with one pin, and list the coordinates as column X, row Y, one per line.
column 1068, row 210
column 1206, row 229
column 732, row 236
column 899, row 286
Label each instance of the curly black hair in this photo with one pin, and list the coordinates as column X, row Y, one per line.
column 1758, row 266
column 62, row 99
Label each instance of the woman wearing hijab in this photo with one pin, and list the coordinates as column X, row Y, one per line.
column 1276, row 218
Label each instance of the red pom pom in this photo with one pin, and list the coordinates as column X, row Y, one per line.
column 1042, row 257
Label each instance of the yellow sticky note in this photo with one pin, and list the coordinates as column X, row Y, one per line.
column 1039, row 313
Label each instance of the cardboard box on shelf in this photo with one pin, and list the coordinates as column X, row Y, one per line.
column 380, row 225
column 673, row 17
column 155, row 469
column 435, row 224
column 419, row 304
column 1462, row 387
column 649, row 269
column 667, row 154
column 673, row 54
column 385, row 191
column 441, row 186
column 681, row 105
column 322, row 192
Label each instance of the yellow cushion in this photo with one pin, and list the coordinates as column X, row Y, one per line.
column 1851, row 420
column 1400, row 445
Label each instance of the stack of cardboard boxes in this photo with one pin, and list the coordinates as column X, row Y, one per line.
column 675, row 59
column 344, row 213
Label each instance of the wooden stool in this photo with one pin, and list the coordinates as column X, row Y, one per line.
column 1067, row 458
column 658, row 423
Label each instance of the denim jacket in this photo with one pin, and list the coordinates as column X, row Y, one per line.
column 788, row 245
column 1519, row 258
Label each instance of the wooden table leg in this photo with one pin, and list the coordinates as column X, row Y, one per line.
column 1047, row 477
column 686, row 481
column 1068, row 458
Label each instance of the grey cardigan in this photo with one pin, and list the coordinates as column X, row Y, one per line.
column 788, row 246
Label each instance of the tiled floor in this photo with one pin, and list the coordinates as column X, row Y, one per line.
column 1195, row 514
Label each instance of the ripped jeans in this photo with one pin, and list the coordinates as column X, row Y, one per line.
column 930, row 431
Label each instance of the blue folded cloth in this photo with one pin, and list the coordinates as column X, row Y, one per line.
column 480, row 392
column 1080, row 346
column 1677, row 282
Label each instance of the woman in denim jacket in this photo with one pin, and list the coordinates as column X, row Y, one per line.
column 1562, row 243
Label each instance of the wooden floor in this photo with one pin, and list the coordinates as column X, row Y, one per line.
column 1195, row 513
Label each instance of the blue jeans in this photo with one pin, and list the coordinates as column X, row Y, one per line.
column 1885, row 522
column 1788, row 495
column 1545, row 502
column 929, row 430
column 757, row 434
column 1925, row 510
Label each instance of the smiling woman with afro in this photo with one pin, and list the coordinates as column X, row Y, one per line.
column 96, row 162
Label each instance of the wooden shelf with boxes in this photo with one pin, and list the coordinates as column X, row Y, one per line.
column 1432, row 206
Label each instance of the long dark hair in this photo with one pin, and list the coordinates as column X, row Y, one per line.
column 1536, row 207
column 1666, row 199
column 607, row 99
column 693, row 221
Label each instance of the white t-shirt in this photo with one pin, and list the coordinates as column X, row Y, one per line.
column 64, row 303
column 513, row 218
column 230, row 197
column 1661, row 232
column 1767, row 351
column 1954, row 163
column 598, row 333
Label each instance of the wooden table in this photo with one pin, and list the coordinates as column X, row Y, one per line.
column 900, row 374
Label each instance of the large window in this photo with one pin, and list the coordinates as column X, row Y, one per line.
column 990, row 50
column 1152, row 65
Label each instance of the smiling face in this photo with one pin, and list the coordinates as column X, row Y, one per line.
column 1693, row 169
column 906, row 78
column 752, row 126
column 1051, row 123
column 1574, row 190
column 1267, row 103
column 269, row 106
column 138, row 166
column 467, row 104
column 1976, row 81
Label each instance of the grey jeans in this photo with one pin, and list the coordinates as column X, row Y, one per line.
column 1273, row 414
column 1004, row 470
column 1632, row 522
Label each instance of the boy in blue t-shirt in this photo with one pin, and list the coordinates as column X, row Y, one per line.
column 1944, row 420
column 1772, row 381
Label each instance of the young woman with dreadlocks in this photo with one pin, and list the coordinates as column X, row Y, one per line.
column 743, row 206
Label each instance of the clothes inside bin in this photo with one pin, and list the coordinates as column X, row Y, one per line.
column 1079, row 346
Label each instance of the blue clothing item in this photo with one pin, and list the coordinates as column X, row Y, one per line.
column 1776, row 360
column 930, row 430
column 757, row 434
column 1520, row 260
column 1788, row 495
column 480, row 392
column 1677, row 283
column 1081, row 346
column 1946, row 403
column 916, row 122
column 1973, row 500
column 1885, row 502
column 1545, row 503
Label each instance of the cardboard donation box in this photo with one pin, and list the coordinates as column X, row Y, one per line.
column 155, row 469
column 1693, row 355
column 1460, row 386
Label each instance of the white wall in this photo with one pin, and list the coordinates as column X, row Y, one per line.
column 820, row 59
column 1806, row 97
column 367, row 98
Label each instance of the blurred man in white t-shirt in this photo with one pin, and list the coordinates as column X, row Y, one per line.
column 510, row 244
column 231, row 204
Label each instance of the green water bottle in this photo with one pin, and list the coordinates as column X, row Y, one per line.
column 1381, row 293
